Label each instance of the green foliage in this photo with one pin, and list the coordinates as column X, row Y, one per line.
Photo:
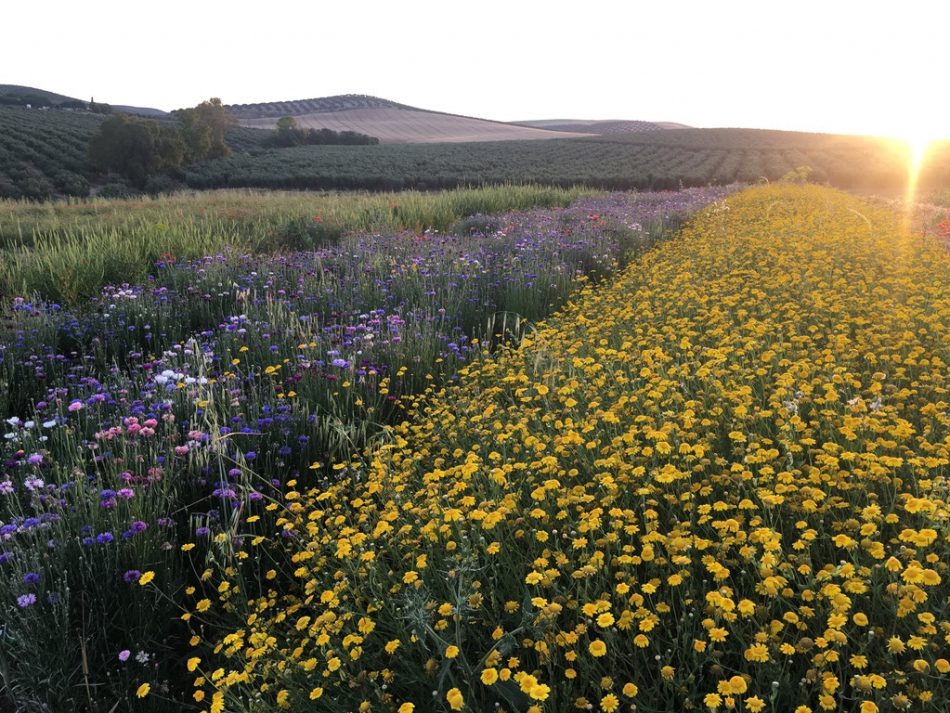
column 288, row 133
column 135, row 148
column 203, row 130
column 650, row 160
column 43, row 152
column 68, row 251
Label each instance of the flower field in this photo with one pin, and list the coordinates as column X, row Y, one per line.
column 718, row 483
column 161, row 433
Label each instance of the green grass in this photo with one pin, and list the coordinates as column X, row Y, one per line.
column 66, row 251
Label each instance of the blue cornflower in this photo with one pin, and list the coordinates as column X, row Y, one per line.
column 25, row 600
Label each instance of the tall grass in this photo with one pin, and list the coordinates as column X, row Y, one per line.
column 66, row 251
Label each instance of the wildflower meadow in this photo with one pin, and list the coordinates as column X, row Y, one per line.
column 154, row 422
column 718, row 482
column 649, row 452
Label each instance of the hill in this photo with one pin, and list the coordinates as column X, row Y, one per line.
column 43, row 153
column 40, row 97
column 601, row 127
column 389, row 121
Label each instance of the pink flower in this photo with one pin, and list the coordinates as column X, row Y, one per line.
column 124, row 655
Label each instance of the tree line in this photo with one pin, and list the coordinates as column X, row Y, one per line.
column 138, row 148
column 288, row 133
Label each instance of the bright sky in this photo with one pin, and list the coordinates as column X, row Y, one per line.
column 816, row 65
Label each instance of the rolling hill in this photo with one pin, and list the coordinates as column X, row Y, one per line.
column 390, row 122
column 606, row 127
column 41, row 97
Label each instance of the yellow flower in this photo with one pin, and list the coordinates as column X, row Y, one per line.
column 609, row 703
column 455, row 700
column 142, row 690
column 597, row 648
column 757, row 652
column 737, row 685
column 489, row 676
column 451, row 651
column 406, row 708
column 146, row 577
column 193, row 663
column 754, row 704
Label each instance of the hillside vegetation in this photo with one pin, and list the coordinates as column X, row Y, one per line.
column 388, row 121
column 658, row 159
column 43, row 154
column 602, row 127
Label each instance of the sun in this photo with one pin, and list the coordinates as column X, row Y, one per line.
column 918, row 143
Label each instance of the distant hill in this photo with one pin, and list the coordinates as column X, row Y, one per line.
column 607, row 127
column 41, row 97
column 389, row 121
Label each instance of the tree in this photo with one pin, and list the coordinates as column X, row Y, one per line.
column 135, row 148
column 203, row 129
column 288, row 133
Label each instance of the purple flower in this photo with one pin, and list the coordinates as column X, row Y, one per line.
column 126, row 493
column 130, row 577
column 35, row 459
column 25, row 600
column 6, row 487
column 33, row 484
column 340, row 363
column 138, row 526
column 104, row 538
column 124, row 655
column 75, row 406
column 31, row 578
column 202, row 531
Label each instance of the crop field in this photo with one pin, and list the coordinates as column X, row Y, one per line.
column 658, row 451
column 649, row 160
column 43, row 154
column 717, row 483
column 148, row 423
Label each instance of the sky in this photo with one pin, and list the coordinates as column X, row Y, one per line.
column 840, row 66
